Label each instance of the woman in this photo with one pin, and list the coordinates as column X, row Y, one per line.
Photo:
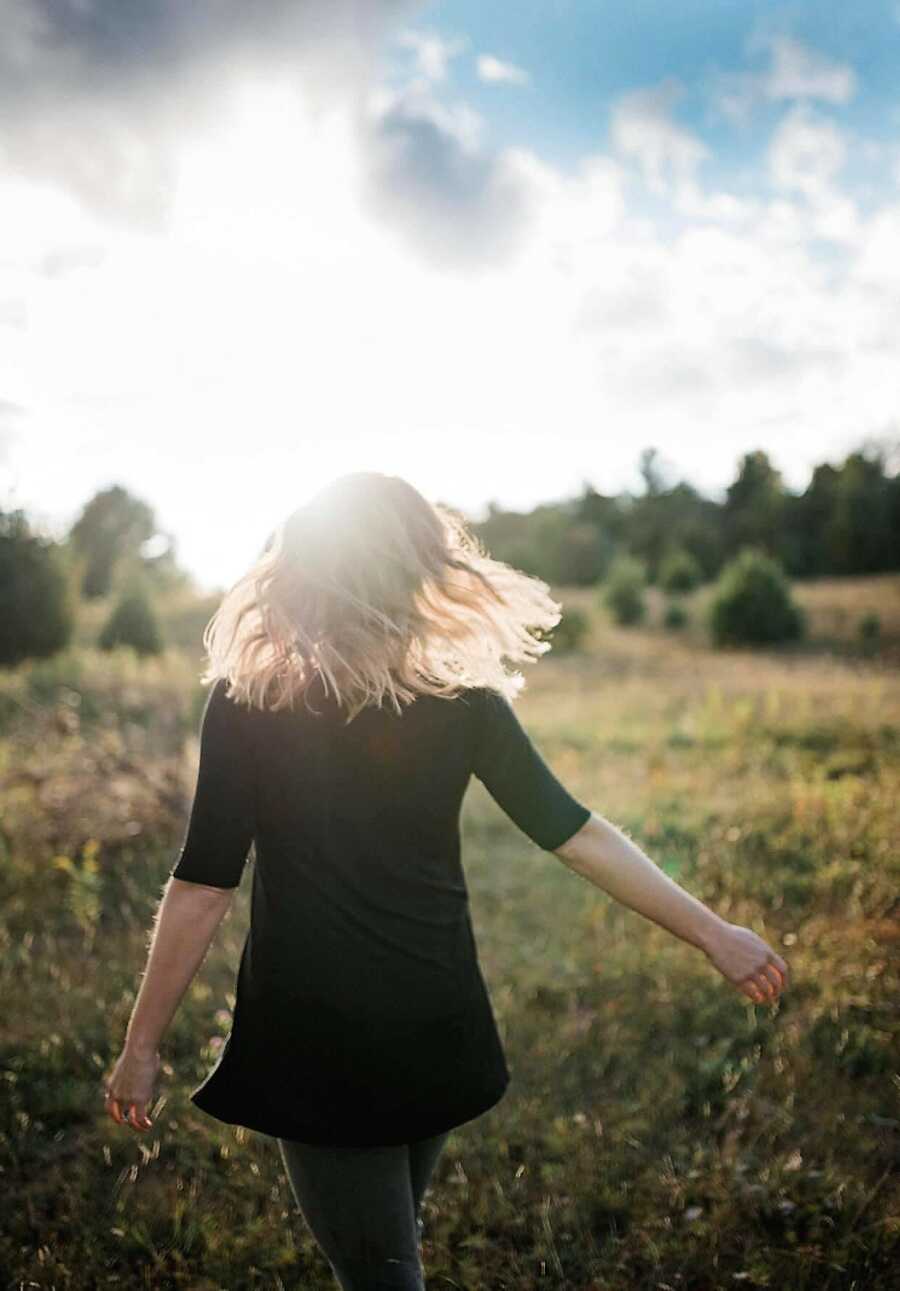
column 358, row 682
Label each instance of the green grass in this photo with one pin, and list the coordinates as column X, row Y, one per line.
column 661, row 1131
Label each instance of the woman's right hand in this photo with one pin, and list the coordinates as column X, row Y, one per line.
column 748, row 962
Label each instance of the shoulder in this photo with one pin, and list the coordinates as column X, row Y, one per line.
column 223, row 709
column 483, row 693
column 217, row 697
column 227, row 724
column 488, row 699
column 491, row 710
column 477, row 698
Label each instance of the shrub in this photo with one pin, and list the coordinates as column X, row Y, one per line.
column 752, row 603
column 679, row 571
column 132, row 623
column 570, row 631
column 869, row 628
column 675, row 615
column 36, row 602
column 623, row 592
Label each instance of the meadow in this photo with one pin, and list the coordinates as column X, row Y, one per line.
column 661, row 1132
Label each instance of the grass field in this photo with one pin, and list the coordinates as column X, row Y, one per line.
column 661, row 1131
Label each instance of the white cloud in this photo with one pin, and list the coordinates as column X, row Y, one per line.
column 494, row 71
column 795, row 72
column 642, row 129
column 433, row 52
column 483, row 323
column 798, row 72
column 806, row 153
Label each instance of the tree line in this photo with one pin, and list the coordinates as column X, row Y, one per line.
column 845, row 522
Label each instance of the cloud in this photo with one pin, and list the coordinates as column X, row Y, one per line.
column 795, row 72
column 341, row 329
column 69, row 257
column 427, row 176
column 798, row 72
column 433, row 53
column 10, row 416
column 95, row 96
column 495, row 72
column 806, row 153
column 632, row 301
column 642, row 129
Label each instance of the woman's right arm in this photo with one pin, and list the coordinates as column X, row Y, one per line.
column 604, row 855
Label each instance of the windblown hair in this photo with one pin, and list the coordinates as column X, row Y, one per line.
column 380, row 593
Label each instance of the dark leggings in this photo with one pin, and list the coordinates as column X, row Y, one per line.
column 362, row 1207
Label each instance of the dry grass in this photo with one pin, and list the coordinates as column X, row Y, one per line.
column 660, row 1132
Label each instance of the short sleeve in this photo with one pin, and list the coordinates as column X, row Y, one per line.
column 512, row 770
column 222, row 821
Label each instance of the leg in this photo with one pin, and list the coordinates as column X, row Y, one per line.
column 358, row 1204
column 423, row 1157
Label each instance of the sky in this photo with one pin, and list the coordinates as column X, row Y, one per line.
column 499, row 250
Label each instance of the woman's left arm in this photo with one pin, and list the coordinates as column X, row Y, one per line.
column 202, row 883
column 186, row 922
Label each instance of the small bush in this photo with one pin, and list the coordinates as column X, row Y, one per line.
column 752, row 603
column 679, row 571
column 36, row 603
column 675, row 616
column 869, row 628
column 570, row 631
column 132, row 623
column 623, row 592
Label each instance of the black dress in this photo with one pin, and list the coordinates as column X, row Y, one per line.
column 361, row 1015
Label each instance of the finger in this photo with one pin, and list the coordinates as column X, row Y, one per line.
column 115, row 1110
column 775, row 973
column 765, row 984
column 142, row 1120
column 131, row 1116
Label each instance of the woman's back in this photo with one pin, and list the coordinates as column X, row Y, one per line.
column 359, row 985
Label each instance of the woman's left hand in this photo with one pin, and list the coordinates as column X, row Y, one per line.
column 128, row 1088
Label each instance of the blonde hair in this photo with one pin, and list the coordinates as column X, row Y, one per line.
column 381, row 593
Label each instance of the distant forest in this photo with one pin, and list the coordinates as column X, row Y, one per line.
column 846, row 521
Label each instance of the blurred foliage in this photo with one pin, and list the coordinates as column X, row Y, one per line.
column 112, row 526
column 870, row 628
column 571, row 631
column 116, row 540
column 37, row 606
column 679, row 571
column 676, row 616
column 623, row 590
column 846, row 521
column 132, row 623
column 752, row 603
